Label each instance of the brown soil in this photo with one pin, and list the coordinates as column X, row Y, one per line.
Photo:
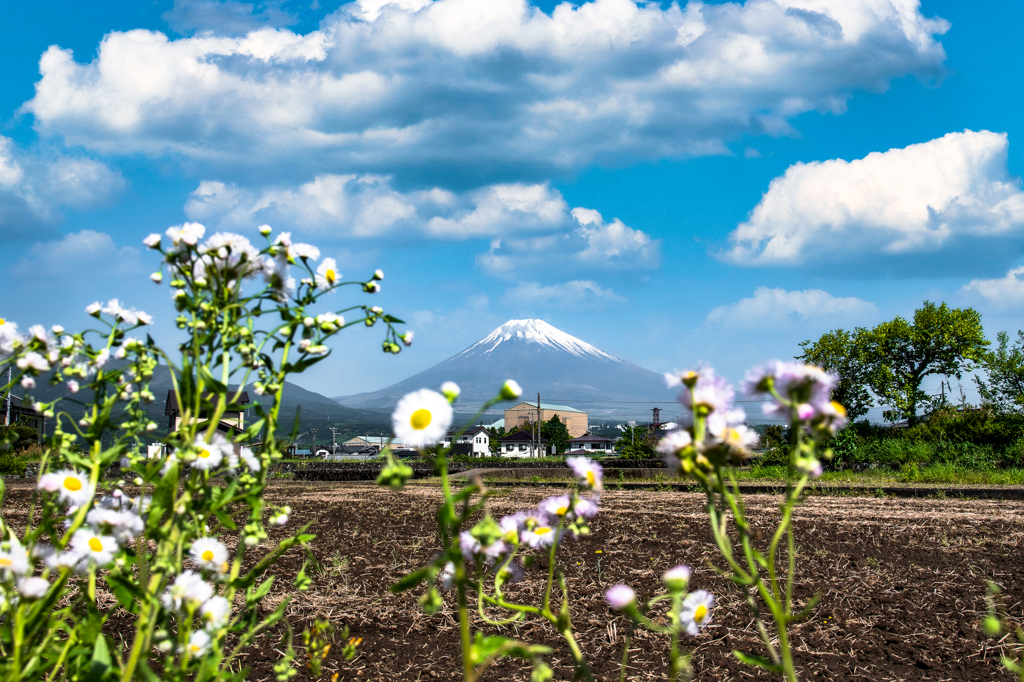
column 902, row 584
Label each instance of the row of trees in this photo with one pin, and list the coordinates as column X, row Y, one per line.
column 553, row 430
column 890, row 362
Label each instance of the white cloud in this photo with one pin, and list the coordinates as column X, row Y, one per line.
column 771, row 307
column 919, row 199
column 1005, row 292
column 577, row 294
column 488, row 87
column 33, row 187
column 368, row 205
column 226, row 17
column 591, row 243
column 84, row 254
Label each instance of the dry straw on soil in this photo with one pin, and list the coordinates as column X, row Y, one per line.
column 903, row 584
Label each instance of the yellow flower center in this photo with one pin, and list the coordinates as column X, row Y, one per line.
column 95, row 545
column 420, row 419
column 840, row 410
column 6, row 561
column 561, row 511
column 224, row 567
column 204, row 453
column 73, row 484
column 330, row 276
column 591, row 479
column 2, row 321
column 701, row 613
column 207, row 555
column 543, row 530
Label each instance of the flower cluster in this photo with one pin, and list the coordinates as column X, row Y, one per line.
column 693, row 612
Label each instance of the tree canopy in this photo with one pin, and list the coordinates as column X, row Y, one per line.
column 1005, row 369
column 842, row 353
column 900, row 354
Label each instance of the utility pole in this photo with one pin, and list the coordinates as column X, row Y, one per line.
column 7, row 418
column 334, row 439
column 312, row 448
column 537, row 426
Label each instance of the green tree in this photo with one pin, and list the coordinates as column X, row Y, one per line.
column 494, row 440
column 636, row 442
column 1005, row 369
column 900, row 354
column 557, row 434
column 842, row 353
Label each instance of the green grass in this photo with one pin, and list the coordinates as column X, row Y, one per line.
column 946, row 474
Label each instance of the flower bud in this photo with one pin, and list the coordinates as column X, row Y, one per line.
column 157, row 277
column 378, row 274
column 620, row 597
column 675, row 579
column 991, row 626
column 308, row 321
column 510, row 390
column 450, row 390
column 264, row 230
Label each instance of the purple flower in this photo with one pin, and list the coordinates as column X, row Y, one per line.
column 620, row 597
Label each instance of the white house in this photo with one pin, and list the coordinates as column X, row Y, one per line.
column 590, row 444
column 521, row 444
column 476, row 441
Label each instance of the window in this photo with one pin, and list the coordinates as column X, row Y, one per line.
column 522, row 448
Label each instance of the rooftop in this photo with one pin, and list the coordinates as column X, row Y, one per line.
column 546, row 406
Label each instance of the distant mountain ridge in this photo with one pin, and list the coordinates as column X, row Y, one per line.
column 542, row 359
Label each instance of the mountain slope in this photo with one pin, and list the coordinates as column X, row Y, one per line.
column 561, row 367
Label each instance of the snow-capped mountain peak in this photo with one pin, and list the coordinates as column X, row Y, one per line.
column 539, row 332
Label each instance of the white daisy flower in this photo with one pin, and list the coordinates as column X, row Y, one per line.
column 93, row 308
column 585, row 508
column 543, row 535
column 198, row 644
column 33, row 361
column 73, row 487
column 675, row 442
column 15, row 560
column 93, row 547
column 209, row 553
column 187, row 233
column 9, row 337
column 421, row 418
column 72, row 386
column 708, row 395
column 696, row 611
column 448, row 576
column 215, row 612
column 123, row 525
column 152, row 241
column 187, row 588
column 250, row 459
column 307, row 251
column 327, row 274
column 210, row 455
column 588, row 471
column 556, row 506
column 28, row 383
column 32, row 588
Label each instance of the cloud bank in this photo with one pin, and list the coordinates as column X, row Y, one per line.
column 772, row 307
column 921, row 199
column 486, row 86
column 1005, row 292
column 33, row 187
column 86, row 253
column 576, row 294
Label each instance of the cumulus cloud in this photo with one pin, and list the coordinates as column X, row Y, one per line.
column 770, row 307
column 923, row 198
column 1005, row 292
column 33, row 186
column 368, row 205
column 497, row 87
column 584, row 293
column 592, row 242
column 80, row 254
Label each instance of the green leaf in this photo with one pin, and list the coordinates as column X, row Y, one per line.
column 411, row 580
column 127, row 592
column 757, row 661
column 100, row 663
column 255, row 596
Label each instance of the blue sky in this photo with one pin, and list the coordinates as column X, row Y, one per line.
column 671, row 183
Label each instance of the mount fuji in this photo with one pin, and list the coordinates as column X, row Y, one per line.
column 543, row 359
